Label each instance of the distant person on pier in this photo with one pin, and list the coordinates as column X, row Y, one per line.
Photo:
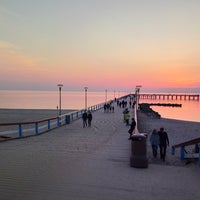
column 155, row 141
column 164, row 142
column 89, row 117
column 84, row 118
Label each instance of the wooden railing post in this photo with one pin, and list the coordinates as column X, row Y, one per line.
column 58, row 121
column 20, row 130
column 48, row 124
column 182, row 152
column 76, row 115
column 173, row 151
column 36, row 128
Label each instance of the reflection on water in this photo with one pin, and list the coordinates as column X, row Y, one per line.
column 189, row 110
column 50, row 99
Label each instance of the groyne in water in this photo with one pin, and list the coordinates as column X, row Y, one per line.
column 146, row 108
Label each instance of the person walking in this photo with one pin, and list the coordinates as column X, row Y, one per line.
column 89, row 117
column 132, row 127
column 155, row 140
column 126, row 118
column 84, row 118
column 164, row 142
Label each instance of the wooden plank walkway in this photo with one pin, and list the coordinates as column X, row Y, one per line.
column 76, row 163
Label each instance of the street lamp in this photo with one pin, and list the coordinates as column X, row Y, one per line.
column 86, row 88
column 106, row 95
column 60, row 86
column 137, row 91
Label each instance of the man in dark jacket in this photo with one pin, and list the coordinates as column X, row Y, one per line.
column 84, row 118
column 89, row 118
column 164, row 142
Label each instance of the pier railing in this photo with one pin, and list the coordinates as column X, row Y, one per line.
column 24, row 129
column 183, row 153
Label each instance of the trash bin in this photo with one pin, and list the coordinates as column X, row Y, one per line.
column 139, row 151
column 67, row 119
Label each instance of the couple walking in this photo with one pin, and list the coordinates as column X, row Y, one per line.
column 160, row 139
column 87, row 119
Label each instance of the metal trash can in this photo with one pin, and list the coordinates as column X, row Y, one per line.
column 67, row 119
column 139, row 151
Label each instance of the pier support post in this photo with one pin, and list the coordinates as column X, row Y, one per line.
column 20, row 130
column 182, row 153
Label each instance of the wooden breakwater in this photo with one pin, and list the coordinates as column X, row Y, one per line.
column 165, row 104
column 170, row 96
column 146, row 108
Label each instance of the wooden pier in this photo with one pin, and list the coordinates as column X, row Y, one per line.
column 171, row 96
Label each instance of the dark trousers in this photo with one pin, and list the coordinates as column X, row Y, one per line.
column 84, row 123
column 154, row 150
column 89, row 123
column 163, row 152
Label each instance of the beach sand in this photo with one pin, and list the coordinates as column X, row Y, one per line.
column 178, row 132
column 27, row 115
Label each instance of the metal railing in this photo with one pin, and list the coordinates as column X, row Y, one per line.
column 23, row 129
column 195, row 142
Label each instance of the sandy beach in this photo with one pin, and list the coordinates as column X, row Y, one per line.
column 178, row 131
column 27, row 115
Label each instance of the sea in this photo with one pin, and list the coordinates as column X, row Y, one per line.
column 75, row 100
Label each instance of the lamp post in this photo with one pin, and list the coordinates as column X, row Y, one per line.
column 60, row 86
column 137, row 91
column 86, row 88
column 106, row 95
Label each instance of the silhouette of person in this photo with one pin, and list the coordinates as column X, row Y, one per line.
column 155, row 140
column 164, row 142
column 84, row 118
column 89, row 117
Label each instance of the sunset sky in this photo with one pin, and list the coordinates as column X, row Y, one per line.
column 102, row 44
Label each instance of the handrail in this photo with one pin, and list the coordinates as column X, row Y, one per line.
column 67, row 118
column 182, row 146
column 188, row 143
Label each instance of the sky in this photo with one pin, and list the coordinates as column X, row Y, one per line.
column 101, row 44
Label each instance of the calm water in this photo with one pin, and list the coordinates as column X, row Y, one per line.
column 76, row 100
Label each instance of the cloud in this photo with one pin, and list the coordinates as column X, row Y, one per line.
column 11, row 56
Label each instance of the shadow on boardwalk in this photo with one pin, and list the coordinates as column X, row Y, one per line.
column 72, row 163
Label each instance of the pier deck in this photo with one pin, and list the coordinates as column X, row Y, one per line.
column 75, row 163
